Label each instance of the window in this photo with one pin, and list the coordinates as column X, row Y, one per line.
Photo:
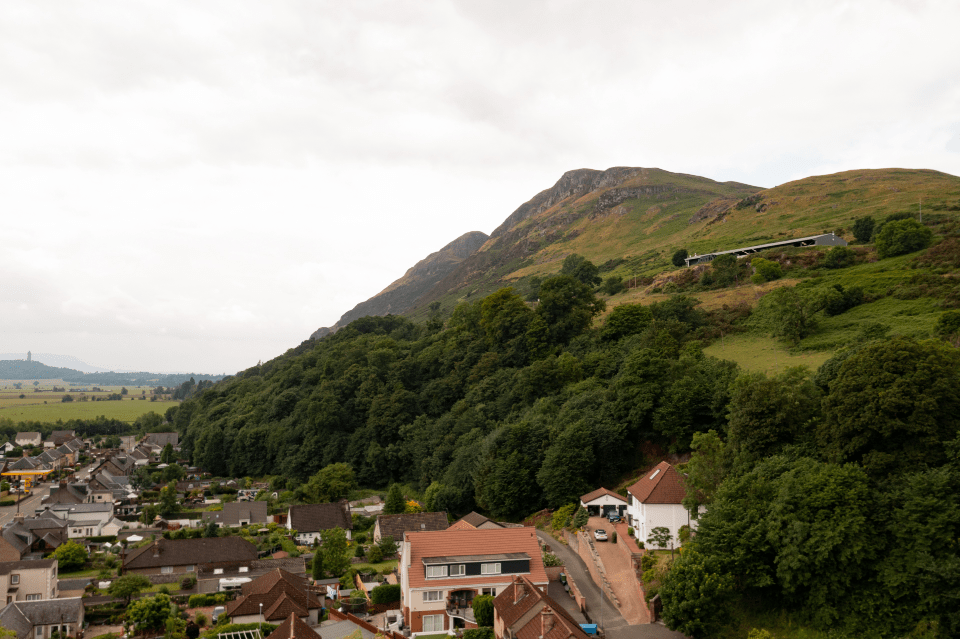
column 432, row 623
column 432, row 595
column 490, row 569
column 458, row 570
column 39, row 631
column 190, row 568
column 166, row 570
column 436, row 571
column 654, row 473
column 33, row 597
column 490, row 591
column 14, row 580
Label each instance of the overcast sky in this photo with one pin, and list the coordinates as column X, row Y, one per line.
column 195, row 186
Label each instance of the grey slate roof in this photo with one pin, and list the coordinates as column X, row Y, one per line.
column 6, row 567
column 316, row 517
column 234, row 511
column 162, row 439
column 22, row 616
column 395, row 525
column 192, row 552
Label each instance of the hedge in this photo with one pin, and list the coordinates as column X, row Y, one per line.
column 385, row 593
column 199, row 601
column 7, row 502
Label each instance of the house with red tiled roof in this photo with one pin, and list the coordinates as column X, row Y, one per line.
column 294, row 628
column 603, row 502
column 655, row 501
column 524, row 611
column 276, row 595
column 442, row 571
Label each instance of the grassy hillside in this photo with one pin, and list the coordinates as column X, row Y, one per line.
column 634, row 237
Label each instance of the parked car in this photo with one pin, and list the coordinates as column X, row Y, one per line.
column 614, row 518
column 219, row 610
column 600, row 534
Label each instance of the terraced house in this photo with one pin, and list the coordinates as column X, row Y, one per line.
column 441, row 572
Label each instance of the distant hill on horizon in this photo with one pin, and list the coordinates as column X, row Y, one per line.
column 21, row 369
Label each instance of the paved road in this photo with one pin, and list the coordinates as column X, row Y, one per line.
column 27, row 506
column 614, row 625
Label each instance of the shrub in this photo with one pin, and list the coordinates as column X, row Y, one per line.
column 360, row 551
column 679, row 258
column 630, row 531
column 561, row 517
column 839, row 300
column 613, row 285
column 613, row 537
column 188, row 582
column 361, row 538
column 374, row 554
column 766, row 270
column 7, row 502
column 201, row 619
column 839, row 257
column 948, row 324
column 902, row 236
column 550, row 559
column 385, row 593
column 483, row 610
column 478, row 633
column 647, row 562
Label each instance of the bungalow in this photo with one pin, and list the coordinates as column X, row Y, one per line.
column 655, row 502
column 40, row 619
column 275, row 595
column 29, row 580
column 312, row 519
column 176, row 556
column 442, row 571
column 524, row 611
column 395, row 525
column 603, row 502
column 236, row 514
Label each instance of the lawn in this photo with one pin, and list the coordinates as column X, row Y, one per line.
column 383, row 567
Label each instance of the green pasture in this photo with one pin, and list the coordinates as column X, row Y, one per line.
column 127, row 410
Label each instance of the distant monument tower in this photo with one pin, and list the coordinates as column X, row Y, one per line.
column 29, row 357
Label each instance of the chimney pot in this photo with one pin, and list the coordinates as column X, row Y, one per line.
column 546, row 620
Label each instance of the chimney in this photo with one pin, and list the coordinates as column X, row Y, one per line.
column 546, row 620
column 156, row 548
column 519, row 590
column 18, row 517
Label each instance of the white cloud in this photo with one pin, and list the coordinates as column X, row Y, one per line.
column 200, row 185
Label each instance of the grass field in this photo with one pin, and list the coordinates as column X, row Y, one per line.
column 126, row 410
column 757, row 353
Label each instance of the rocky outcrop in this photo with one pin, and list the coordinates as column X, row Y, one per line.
column 421, row 277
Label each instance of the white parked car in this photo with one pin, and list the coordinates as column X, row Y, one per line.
column 600, row 534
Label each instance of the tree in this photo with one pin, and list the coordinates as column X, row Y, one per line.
column 430, row 496
column 124, row 391
column 581, row 517
column 167, row 456
column 789, row 313
column 334, row 549
column 332, row 482
column 948, row 325
column 705, row 471
column 660, row 537
column 211, row 529
column 892, row 405
column 374, row 554
column 70, row 556
column 169, row 504
column 127, row 586
column 582, row 269
column 839, row 257
column 316, row 566
column 388, row 546
column 394, row 504
column 483, row 610
column 148, row 514
column 902, row 236
column 767, row 413
column 696, row 596
column 626, row 319
column 679, row 258
column 613, row 285
column 149, row 613
column 567, row 307
column 863, row 229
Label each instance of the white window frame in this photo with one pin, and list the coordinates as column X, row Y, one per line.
column 490, row 569
column 14, row 579
column 36, row 597
column 432, row 595
column 432, row 623
column 166, row 570
column 458, row 570
column 490, row 591
column 439, row 572
column 190, row 568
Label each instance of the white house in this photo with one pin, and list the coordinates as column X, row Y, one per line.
column 311, row 520
column 655, row 501
column 28, row 439
column 603, row 502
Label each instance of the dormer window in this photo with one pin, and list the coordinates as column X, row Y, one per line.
column 458, row 570
column 436, row 571
column 490, row 569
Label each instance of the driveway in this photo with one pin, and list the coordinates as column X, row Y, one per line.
column 613, row 623
column 619, row 574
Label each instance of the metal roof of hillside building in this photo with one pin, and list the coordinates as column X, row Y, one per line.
column 826, row 239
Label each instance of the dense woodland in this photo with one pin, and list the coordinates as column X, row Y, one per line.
column 832, row 495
